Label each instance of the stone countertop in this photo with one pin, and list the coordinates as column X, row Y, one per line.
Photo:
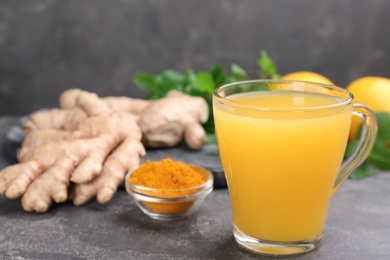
column 358, row 227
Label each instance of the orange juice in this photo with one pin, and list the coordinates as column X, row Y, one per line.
column 281, row 166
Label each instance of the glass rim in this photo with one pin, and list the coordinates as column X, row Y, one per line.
column 226, row 101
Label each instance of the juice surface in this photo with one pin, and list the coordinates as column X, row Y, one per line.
column 281, row 167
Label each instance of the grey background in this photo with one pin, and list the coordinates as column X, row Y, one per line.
column 47, row 46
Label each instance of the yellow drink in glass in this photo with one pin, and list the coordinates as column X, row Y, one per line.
column 264, row 156
column 281, row 146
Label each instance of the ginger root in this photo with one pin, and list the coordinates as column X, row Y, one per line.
column 84, row 149
column 164, row 122
column 81, row 156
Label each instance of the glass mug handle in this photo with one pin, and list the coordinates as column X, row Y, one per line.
column 366, row 142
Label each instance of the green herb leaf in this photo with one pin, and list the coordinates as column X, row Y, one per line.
column 383, row 127
column 174, row 77
column 380, row 154
column 194, row 91
column 363, row 171
column 238, row 72
column 380, row 159
column 267, row 65
column 144, row 80
column 211, row 138
column 191, row 77
column 206, row 81
column 218, row 75
column 161, row 87
column 351, row 147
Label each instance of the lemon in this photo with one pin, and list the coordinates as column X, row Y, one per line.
column 373, row 92
column 307, row 76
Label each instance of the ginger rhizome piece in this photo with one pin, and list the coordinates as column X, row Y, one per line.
column 82, row 157
column 164, row 122
column 84, row 149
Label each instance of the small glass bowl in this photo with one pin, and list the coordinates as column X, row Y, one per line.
column 159, row 203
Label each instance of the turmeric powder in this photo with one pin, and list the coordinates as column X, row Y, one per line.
column 168, row 179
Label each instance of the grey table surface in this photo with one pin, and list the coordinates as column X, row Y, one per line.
column 358, row 227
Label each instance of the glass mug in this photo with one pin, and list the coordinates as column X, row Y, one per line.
column 282, row 145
